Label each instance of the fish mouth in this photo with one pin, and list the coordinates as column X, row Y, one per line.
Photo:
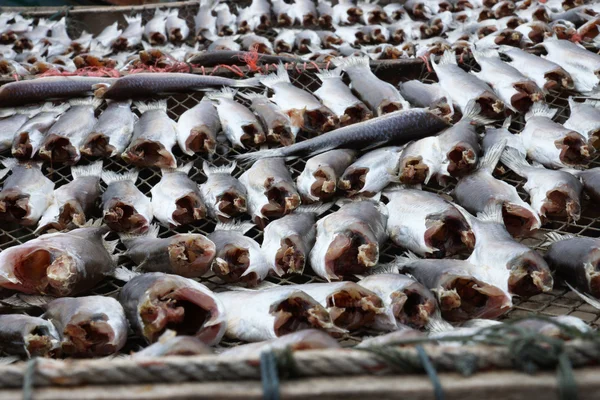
column 352, row 309
column 413, row 171
column 175, row 35
column 594, row 139
column 326, row 21
column 388, row 106
column 231, row 204
column 71, row 215
column 504, row 10
column 397, row 36
column 157, row 38
column 89, row 337
column 527, row 94
column 377, row 36
column 60, row 150
column 377, row 17
column 8, row 38
column 201, row 139
column 148, row 153
column 557, row 79
column 574, row 149
column 189, row 209
column 332, row 40
column 98, row 145
column 252, row 135
column 280, row 133
column 418, row 10
column 518, row 220
column 23, row 44
column 284, row 20
column 389, row 53
column 541, row 15
column 14, row 206
column 191, row 257
column 529, row 275
column 231, row 263
column 39, row 342
column 123, row 217
column 485, row 14
column 303, row 46
column 559, row 202
column 509, row 37
column 464, row 297
column 283, row 47
column 449, row 235
column 353, row 181
column 290, row 257
column 180, row 309
column 321, row 120
column 411, row 308
column 299, row 312
column 120, row 44
column 261, row 48
column 590, row 32
column 355, row 114
column 491, row 107
column 281, row 199
column 324, row 186
column 537, row 35
column 227, row 31
column 86, row 61
column 463, row 159
column 351, row 253
column 46, row 271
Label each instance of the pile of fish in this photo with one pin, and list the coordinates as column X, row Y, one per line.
column 374, row 156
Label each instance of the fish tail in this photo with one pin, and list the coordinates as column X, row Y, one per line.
column 539, row 109
column 553, row 237
column 447, row 58
column 86, row 101
column 93, row 169
column 491, row 213
column 227, row 169
column 472, row 112
column 257, row 155
column 253, row 95
column 330, row 74
column 238, row 226
column 152, row 105
column 186, row 168
column 124, row 274
column 317, row 208
column 133, row 19
column 352, row 62
column 225, row 93
column 514, row 160
column 109, row 177
column 272, row 79
column 249, row 82
column 507, row 122
column 491, row 158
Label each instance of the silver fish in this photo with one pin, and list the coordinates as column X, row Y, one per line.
column 345, row 12
column 176, row 199
column 154, row 136
column 59, row 264
column 197, row 128
column 287, row 241
column 108, row 36
column 9, row 127
column 284, row 41
column 176, row 27
column 424, row 95
column 257, row 16
column 554, row 328
column 74, row 201
column 62, row 141
column 28, row 336
column 591, row 182
column 260, row 44
column 495, row 135
column 551, row 144
column 240, row 125
column 585, row 119
column 155, row 29
column 26, row 193
column 225, row 44
column 90, row 326
column 225, row 197
column 275, row 312
column 406, row 301
column 204, row 21
column 29, row 136
column 155, row 302
column 325, row 11
column 271, row 190
column 371, row 172
column 226, row 21
column 239, row 258
column 318, row 180
column 304, row 13
column 534, row 32
column 352, row 35
column 112, row 133
column 419, row 161
column 273, row 119
column 349, row 240
column 184, row 254
column 426, row 223
column 305, row 40
column 169, row 344
column 124, row 207
column 329, row 39
column 395, row 338
column 394, row 11
column 373, row 13
column 479, row 190
column 551, row 192
column 132, row 35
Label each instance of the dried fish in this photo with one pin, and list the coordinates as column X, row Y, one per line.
column 155, row 29
column 403, row 336
column 28, row 336
column 9, row 127
column 124, row 207
column 257, row 16
column 109, row 35
column 225, row 197
column 169, row 344
column 591, row 182
column 112, row 133
column 495, row 135
column 371, row 172
column 345, row 12
column 424, row 95
column 419, row 161
column 226, row 21
column 132, row 35
column 177, row 28
column 273, row 119
column 318, row 180
column 585, row 119
column 197, row 128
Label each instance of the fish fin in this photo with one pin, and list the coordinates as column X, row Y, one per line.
column 553, row 237
column 185, row 168
column 109, row 177
column 151, row 105
column 272, row 79
column 371, row 146
column 447, row 58
column 253, row 95
column 330, row 74
column 59, row 109
column 352, row 62
column 438, row 324
column 492, row 156
column 93, row 169
column 248, row 82
column 263, row 285
column 487, row 52
column 123, row 274
column 21, row 300
column 257, row 155
column 317, row 208
column 8, row 360
column 225, row 93
column 491, row 213
column 401, row 186
column 472, row 112
column 239, row 226
column 389, row 268
column 9, row 163
column 592, row 102
column 110, row 245
column 223, row 169
column 132, row 19
column 86, row 101
column 92, row 223
column 514, row 160
column 152, row 232
column 539, row 109
column 507, row 122
column 585, row 297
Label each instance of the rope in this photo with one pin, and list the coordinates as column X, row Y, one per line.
column 567, row 387
column 269, row 376
column 28, row 379
column 430, row 370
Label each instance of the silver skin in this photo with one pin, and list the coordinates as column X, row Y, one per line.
column 155, row 30
column 176, row 198
column 372, row 12
column 171, row 345
column 350, row 237
column 318, row 180
column 113, row 130
column 395, row 338
column 583, row 65
column 306, row 339
column 28, row 336
column 89, row 326
column 204, row 21
column 495, row 135
column 225, row 43
column 25, row 194
column 381, row 97
column 550, row 329
column 276, row 122
column 459, row 147
column 9, row 127
column 123, row 199
column 591, row 182
column 304, row 12
column 226, row 24
column 274, row 313
column 371, row 172
column 307, row 39
column 420, row 161
column 155, row 302
column 200, row 122
column 177, row 28
column 345, row 12
column 132, row 35
column 417, row 216
column 225, row 197
column 552, row 192
column 284, row 41
column 257, row 14
column 107, row 37
column 73, row 201
column 282, row 12
column 585, row 119
column 59, row 264
column 251, row 42
column 420, row 94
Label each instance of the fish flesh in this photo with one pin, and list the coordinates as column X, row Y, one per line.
column 275, row 312
column 74, row 201
column 124, row 207
column 319, row 178
column 481, row 189
column 91, row 326
column 224, row 196
column 394, row 128
column 63, row 139
column 177, row 28
column 425, row 95
column 197, row 128
column 371, row 172
column 349, row 240
column 581, row 64
column 551, row 192
column 59, row 264
column 169, row 344
column 154, row 136
column 419, row 161
column 112, row 132
column 26, row 193
column 585, row 119
column 176, row 199
column 463, row 290
column 155, row 302
column 239, row 258
column 550, row 143
column 132, row 35
column 155, row 29
column 185, row 254
column 406, row 301
column 426, row 223
column 276, row 122
column 591, row 182
column 28, row 336
column 240, row 125
column 271, row 190
column 287, row 241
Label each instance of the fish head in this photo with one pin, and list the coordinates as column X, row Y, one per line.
column 462, row 159
column 188, row 209
column 59, row 149
column 529, row 274
column 352, row 307
column 232, row 264
column 574, row 149
column 519, row 219
column 145, row 153
column 351, row 251
column 447, row 234
column 413, row 305
column 298, row 311
column 191, row 255
column 122, row 216
column 291, row 255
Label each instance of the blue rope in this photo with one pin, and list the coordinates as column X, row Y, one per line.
column 433, row 377
column 567, row 387
column 28, row 378
column 269, row 375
